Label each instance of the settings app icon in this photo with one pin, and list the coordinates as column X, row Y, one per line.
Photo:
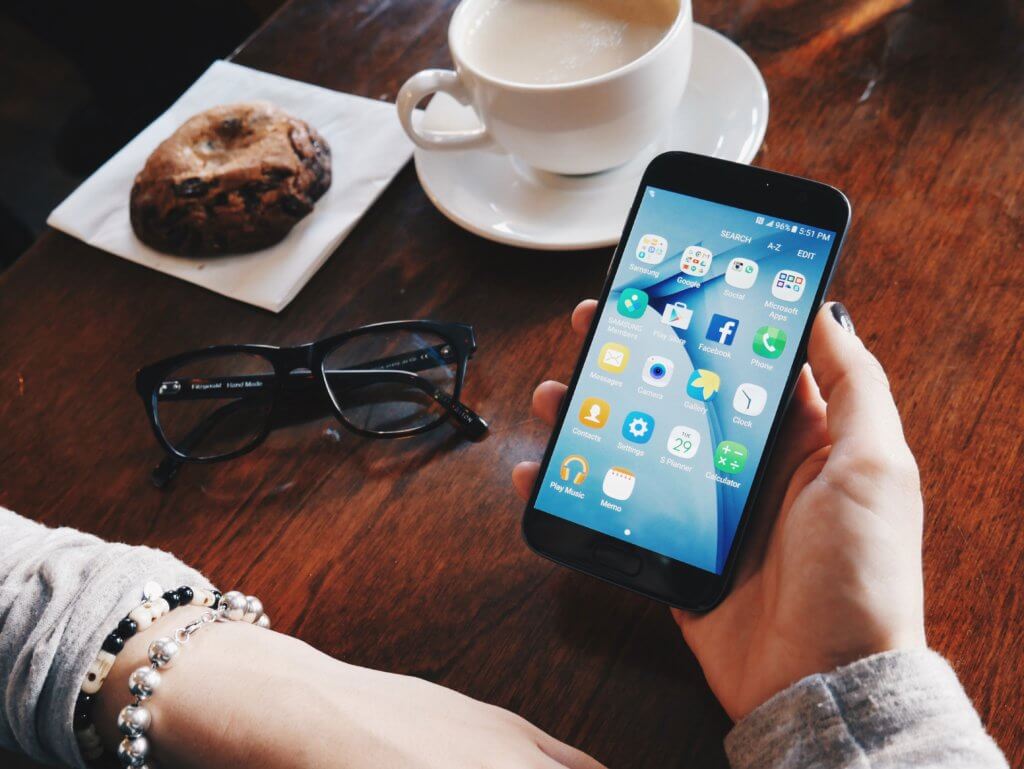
column 638, row 427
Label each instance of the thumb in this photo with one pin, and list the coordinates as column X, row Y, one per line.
column 861, row 414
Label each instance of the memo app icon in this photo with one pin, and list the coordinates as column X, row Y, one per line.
column 632, row 303
column 618, row 484
column 788, row 286
column 696, row 261
column 741, row 273
column 703, row 384
column 613, row 357
column 652, row 249
column 769, row 342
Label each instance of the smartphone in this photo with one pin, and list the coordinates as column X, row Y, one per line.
column 667, row 429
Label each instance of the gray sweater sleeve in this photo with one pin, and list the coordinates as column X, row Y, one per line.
column 61, row 593
column 897, row 709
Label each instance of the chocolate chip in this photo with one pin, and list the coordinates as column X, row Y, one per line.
column 278, row 174
column 230, row 126
column 294, row 206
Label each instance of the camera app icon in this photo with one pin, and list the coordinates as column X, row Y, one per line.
column 657, row 371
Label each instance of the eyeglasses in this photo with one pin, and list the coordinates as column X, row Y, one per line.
column 386, row 380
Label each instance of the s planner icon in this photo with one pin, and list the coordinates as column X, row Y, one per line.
column 722, row 329
column 632, row 303
column 638, row 427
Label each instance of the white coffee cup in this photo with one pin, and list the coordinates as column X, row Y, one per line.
column 575, row 127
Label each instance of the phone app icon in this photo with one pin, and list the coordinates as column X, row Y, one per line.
column 613, row 357
column 574, row 469
column 632, row 303
column 652, row 249
column 594, row 413
column 703, row 384
column 750, row 399
column 696, row 261
column 722, row 329
column 677, row 315
column 769, row 342
column 657, row 371
column 788, row 285
column 683, row 442
column 618, row 484
column 638, row 427
column 730, row 457
column 741, row 273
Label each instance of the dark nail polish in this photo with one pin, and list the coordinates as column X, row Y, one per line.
column 842, row 316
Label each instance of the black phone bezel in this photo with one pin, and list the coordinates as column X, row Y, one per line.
column 622, row 563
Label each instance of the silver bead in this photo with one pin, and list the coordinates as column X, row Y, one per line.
column 133, row 720
column 132, row 751
column 263, row 621
column 143, row 682
column 234, row 604
column 253, row 608
column 162, row 651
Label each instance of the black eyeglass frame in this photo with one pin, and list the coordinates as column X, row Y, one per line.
column 305, row 364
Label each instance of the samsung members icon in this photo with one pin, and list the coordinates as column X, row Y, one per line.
column 788, row 285
column 632, row 303
column 696, row 261
column 683, row 442
column 741, row 273
column 750, row 399
column 657, row 371
column 722, row 329
column 652, row 249
column 618, row 484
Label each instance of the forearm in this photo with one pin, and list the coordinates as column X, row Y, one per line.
column 898, row 709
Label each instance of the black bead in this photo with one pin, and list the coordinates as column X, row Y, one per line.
column 113, row 643
column 185, row 595
column 171, row 597
column 126, row 628
column 83, row 703
column 216, row 599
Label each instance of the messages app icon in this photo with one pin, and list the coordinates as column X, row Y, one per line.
column 613, row 357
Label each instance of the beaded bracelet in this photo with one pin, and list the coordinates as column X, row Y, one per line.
column 135, row 719
column 156, row 603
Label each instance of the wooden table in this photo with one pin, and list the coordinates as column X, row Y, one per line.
column 407, row 556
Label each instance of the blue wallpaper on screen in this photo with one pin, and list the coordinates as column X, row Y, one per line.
column 685, row 508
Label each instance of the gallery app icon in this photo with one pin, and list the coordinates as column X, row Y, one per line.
column 769, row 342
column 750, row 399
column 730, row 457
column 677, row 315
column 788, row 286
column 722, row 329
column 696, row 261
column 703, row 384
column 657, row 371
column 683, row 442
column 652, row 249
column 618, row 484
column 632, row 303
column 613, row 357
column 741, row 273
column 594, row 413
column 638, row 427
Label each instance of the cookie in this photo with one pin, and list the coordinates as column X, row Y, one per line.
column 231, row 179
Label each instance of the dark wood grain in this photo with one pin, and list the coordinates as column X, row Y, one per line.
column 407, row 556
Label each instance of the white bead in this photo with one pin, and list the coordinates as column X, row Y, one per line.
column 162, row 652
column 142, row 615
column 143, row 682
column 152, row 591
column 253, row 609
column 263, row 621
column 234, row 605
column 97, row 672
column 202, row 597
column 160, row 607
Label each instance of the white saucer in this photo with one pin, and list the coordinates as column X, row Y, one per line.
column 723, row 113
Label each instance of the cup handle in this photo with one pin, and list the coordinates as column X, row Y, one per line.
column 421, row 85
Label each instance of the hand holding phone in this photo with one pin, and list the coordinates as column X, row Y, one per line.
column 831, row 570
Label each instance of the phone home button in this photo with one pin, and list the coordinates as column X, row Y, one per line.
column 617, row 559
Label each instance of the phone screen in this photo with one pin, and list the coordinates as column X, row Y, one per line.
column 685, row 374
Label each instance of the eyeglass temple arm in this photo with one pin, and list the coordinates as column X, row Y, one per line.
column 196, row 388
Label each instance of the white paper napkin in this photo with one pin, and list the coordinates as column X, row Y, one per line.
column 368, row 148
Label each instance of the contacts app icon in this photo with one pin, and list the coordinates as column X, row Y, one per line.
column 594, row 413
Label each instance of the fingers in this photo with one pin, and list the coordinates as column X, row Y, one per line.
column 524, row 476
column 583, row 316
column 566, row 755
column 547, row 399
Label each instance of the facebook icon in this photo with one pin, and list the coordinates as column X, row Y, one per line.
column 722, row 329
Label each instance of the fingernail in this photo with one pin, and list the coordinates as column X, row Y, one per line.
column 842, row 316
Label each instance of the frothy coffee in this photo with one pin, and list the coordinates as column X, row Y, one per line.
column 562, row 41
